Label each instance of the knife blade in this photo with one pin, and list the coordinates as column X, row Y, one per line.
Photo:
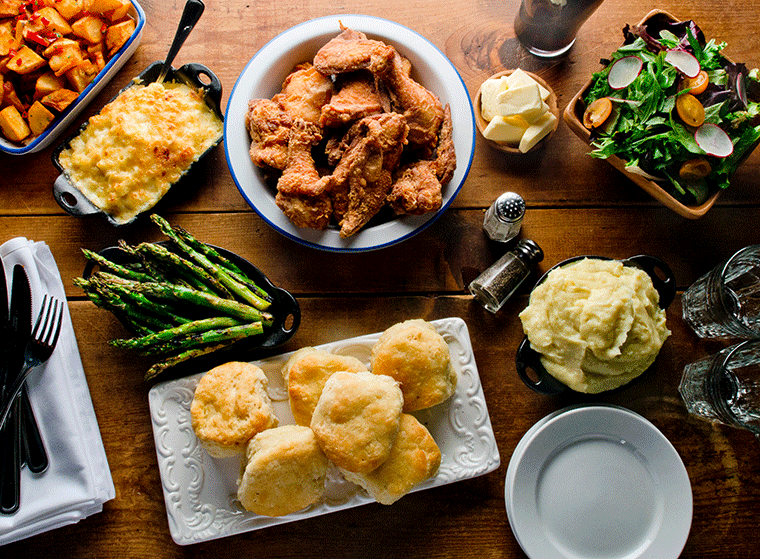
column 20, row 329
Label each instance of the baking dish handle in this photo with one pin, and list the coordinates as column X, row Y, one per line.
column 204, row 79
column 71, row 199
column 532, row 372
column 663, row 279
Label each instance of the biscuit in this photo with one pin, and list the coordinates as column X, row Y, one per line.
column 356, row 419
column 417, row 356
column 305, row 374
column 284, row 471
column 414, row 458
column 230, row 406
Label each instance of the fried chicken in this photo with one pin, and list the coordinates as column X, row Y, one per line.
column 304, row 92
column 301, row 191
column 300, row 176
column 356, row 98
column 418, row 186
column 363, row 178
column 269, row 126
column 386, row 138
column 351, row 51
column 422, row 109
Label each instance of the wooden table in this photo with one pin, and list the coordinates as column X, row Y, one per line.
column 576, row 205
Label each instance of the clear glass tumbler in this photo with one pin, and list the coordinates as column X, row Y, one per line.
column 725, row 302
column 725, row 387
column 547, row 28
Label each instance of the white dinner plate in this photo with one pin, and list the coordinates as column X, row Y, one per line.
column 598, row 482
column 200, row 492
column 263, row 77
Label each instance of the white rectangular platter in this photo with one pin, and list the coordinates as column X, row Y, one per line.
column 201, row 492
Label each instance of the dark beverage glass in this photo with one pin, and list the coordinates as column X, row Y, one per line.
column 547, row 28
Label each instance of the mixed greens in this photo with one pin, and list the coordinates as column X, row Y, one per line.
column 674, row 108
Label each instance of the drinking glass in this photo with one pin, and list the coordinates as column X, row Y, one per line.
column 547, row 28
column 725, row 302
column 725, row 387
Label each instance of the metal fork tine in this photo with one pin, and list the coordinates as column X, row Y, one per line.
column 35, row 330
column 58, row 319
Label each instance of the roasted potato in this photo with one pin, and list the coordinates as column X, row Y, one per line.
column 118, row 34
column 60, row 99
column 13, row 125
column 90, row 28
column 39, row 118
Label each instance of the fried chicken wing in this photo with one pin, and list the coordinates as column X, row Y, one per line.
column 422, row 109
column 269, row 126
column 363, row 178
column 304, row 92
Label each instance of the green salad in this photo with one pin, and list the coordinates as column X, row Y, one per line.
column 675, row 109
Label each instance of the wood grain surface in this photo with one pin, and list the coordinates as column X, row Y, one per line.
column 576, row 205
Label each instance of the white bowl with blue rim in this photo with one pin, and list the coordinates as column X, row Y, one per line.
column 262, row 78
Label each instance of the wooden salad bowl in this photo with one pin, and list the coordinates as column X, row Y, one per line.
column 573, row 116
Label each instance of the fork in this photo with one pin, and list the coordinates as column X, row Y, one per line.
column 39, row 349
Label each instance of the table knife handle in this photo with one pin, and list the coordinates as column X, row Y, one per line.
column 32, row 446
column 10, row 484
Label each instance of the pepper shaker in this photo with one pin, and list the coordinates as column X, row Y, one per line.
column 504, row 217
column 493, row 287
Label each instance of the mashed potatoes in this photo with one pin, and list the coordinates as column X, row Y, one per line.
column 596, row 324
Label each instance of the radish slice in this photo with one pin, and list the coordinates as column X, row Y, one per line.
column 685, row 62
column 623, row 71
column 741, row 89
column 713, row 140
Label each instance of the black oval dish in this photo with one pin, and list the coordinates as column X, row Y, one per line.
column 71, row 198
column 528, row 360
column 288, row 312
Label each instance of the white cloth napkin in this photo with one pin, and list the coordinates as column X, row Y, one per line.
column 78, row 480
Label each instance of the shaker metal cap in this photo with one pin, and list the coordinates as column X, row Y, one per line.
column 510, row 206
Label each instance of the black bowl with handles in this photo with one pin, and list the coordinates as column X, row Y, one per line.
column 198, row 76
column 528, row 361
column 287, row 315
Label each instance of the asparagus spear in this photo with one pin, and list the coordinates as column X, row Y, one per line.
column 232, row 269
column 115, row 268
column 224, row 336
column 192, row 273
column 166, row 335
column 236, row 287
column 170, row 362
column 107, row 299
column 170, row 292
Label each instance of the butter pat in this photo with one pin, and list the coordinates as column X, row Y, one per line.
column 536, row 131
column 488, row 92
column 522, row 100
column 518, row 77
column 506, row 129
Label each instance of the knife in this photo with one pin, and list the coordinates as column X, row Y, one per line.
column 32, row 446
column 20, row 330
